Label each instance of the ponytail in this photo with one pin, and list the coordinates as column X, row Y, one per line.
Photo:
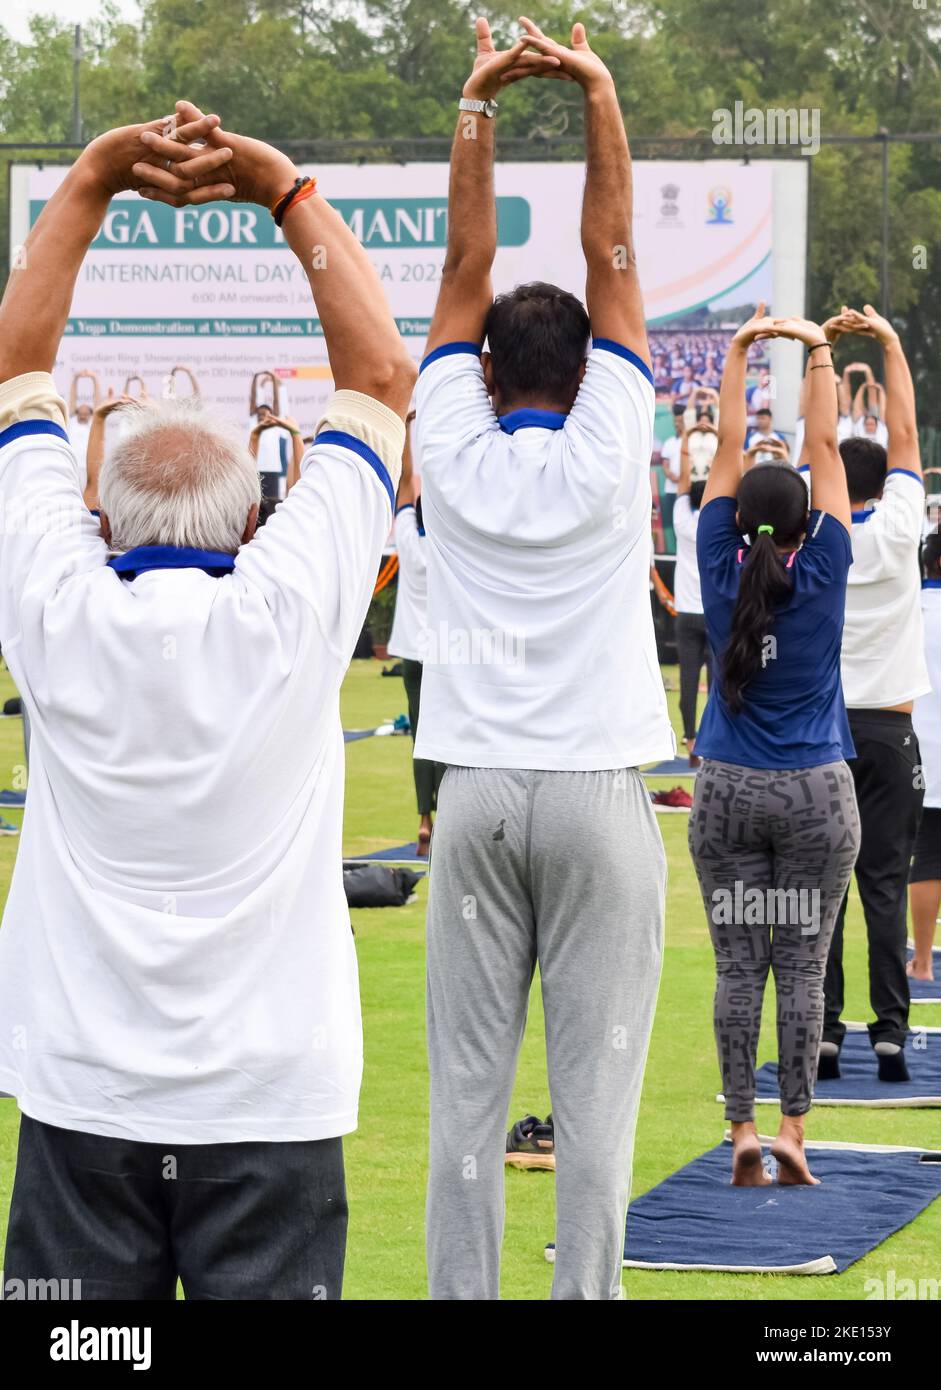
column 772, row 509
column 764, row 582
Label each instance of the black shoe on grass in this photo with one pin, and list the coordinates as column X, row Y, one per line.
column 531, row 1144
column 892, row 1066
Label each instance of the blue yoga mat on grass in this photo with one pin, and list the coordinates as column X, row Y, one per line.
column 401, row 854
column 352, row 735
column 859, row 1083
column 673, row 767
column 696, row 1220
column 927, row 991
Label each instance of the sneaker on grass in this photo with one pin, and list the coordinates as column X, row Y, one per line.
column 531, row 1144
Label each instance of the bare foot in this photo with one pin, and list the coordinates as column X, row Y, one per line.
column 747, row 1167
column 788, row 1151
column 424, row 837
column 919, row 970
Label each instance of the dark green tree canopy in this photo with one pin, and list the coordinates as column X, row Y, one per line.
column 391, row 70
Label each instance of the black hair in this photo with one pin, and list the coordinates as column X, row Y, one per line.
column 866, row 463
column 679, row 410
column 696, row 491
column 770, row 494
column 763, row 410
column 538, row 336
column 931, row 556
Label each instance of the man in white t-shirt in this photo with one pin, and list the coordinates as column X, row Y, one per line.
column 883, row 672
column 670, row 459
column 408, row 638
column 542, row 693
column 763, row 442
column 179, row 1011
column 271, row 444
column 692, row 645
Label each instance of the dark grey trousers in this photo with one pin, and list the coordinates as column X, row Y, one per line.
column 125, row 1219
column 566, row 869
column 774, row 851
column 427, row 774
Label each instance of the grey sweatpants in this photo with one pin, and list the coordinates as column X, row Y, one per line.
column 774, row 851
column 567, row 869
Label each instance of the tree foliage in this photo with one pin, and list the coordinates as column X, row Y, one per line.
column 384, row 70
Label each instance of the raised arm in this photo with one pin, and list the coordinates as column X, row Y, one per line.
column 36, row 304
column 900, row 416
column 466, row 290
column 615, row 304
column 95, row 452
column 725, row 473
column 827, row 475
column 73, row 389
column 363, row 343
column 408, row 490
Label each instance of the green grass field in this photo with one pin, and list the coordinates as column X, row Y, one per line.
column 679, row 1117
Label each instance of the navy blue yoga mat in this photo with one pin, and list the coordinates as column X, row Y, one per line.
column 927, row 991
column 695, row 1219
column 402, row 854
column 674, row 767
column 351, row 735
column 859, row 1083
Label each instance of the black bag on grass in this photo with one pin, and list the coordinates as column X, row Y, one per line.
column 378, row 885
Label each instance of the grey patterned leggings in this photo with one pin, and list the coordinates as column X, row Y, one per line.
column 774, row 851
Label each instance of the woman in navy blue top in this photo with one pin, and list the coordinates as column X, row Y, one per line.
column 774, row 829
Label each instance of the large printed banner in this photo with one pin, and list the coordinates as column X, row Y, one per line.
column 217, row 289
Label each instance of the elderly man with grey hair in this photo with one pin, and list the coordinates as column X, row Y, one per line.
column 179, row 1008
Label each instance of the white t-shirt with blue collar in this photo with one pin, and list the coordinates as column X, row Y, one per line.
column 540, row 642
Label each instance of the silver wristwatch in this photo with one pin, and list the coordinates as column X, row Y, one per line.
column 484, row 108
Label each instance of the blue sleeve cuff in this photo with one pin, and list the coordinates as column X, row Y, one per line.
column 609, row 345
column 448, row 350
column 907, row 472
column 356, row 446
column 24, row 428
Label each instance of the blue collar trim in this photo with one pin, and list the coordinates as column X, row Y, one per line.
column 531, row 419
column 864, row 515
column 171, row 557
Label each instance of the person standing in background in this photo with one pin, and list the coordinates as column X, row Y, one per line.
column 925, row 876
column 277, row 445
column 408, row 638
column 692, row 647
column 81, row 412
column 884, row 672
column 670, row 459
